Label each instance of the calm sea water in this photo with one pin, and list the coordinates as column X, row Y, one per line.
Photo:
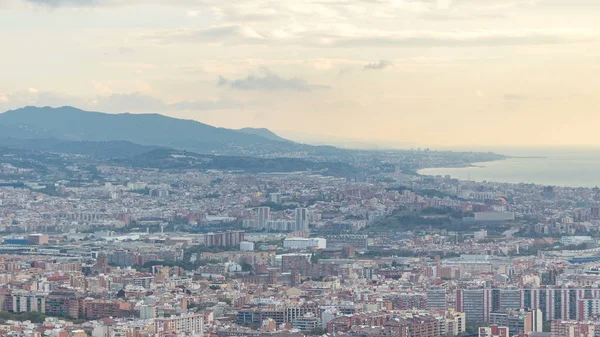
column 575, row 167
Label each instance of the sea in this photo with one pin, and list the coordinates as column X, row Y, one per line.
column 567, row 167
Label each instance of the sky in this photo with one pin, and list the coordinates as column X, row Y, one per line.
column 441, row 73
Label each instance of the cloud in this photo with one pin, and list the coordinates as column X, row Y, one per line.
column 137, row 102
column 382, row 64
column 221, row 104
column 348, row 35
column 126, row 50
column 34, row 96
column 221, row 34
column 515, row 97
column 65, row 3
column 344, row 71
column 269, row 81
column 131, row 102
column 459, row 16
column 520, row 97
column 458, row 40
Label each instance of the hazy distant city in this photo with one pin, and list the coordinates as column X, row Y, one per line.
column 295, row 168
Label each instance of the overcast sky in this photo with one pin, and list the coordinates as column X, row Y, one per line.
column 427, row 72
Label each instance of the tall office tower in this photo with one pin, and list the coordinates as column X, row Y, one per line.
column 301, row 217
column 264, row 215
column 436, row 298
column 474, row 303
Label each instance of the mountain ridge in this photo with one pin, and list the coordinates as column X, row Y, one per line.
column 103, row 149
column 265, row 133
column 149, row 129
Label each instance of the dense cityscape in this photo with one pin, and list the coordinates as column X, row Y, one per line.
column 126, row 251
column 299, row 168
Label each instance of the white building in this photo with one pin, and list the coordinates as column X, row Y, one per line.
column 281, row 225
column 575, row 240
column 246, row 246
column 303, row 243
column 308, row 322
column 480, row 235
column 232, row 267
column 494, row 216
column 147, row 312
column 190, row 324
column 275, row 198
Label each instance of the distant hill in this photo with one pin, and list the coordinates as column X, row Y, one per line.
column 265, row 133
column 104, row 149
column 71, row 124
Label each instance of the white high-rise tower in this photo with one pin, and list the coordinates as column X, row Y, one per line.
column 264, row 215
column 302, row 221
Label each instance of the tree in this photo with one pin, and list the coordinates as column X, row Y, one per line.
column 246, row 266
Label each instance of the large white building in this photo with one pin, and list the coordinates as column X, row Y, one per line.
column 494, row 216
column 246, row 246
column 28, row 302
column 190, row 324
column 303, row 243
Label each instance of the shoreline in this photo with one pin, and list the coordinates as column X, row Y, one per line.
column 475, row 164
column 459, row 173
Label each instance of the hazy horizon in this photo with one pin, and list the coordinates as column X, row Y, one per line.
column 374, row 144
column 426, row 73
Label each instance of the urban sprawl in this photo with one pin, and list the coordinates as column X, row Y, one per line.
column 134, row 252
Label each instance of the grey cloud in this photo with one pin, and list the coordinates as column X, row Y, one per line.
column 382, row 64
column 268, row 81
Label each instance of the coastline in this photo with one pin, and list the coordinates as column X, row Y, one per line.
column 531, row 170
column 469, row 165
